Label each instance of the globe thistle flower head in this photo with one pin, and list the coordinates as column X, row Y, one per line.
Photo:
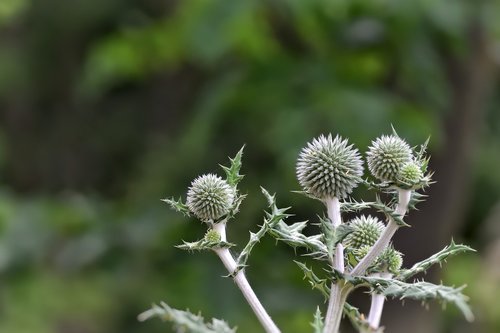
column 210, row 197
column 410, row 174
column 365, row 232
column 389, row 260
column 387, row 155
column 328, row 168
column 212, row 236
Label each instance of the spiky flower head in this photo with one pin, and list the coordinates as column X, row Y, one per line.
column 212, row 236
column 210, row 197
column 410, row 174
column 389, row 260
column 329, row 168
column 387, row 155
column 365, row 232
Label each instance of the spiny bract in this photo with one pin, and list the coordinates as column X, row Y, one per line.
column 329, row 168
column 387, row 155
column 365, row 231
column 209, row 197
column 410, row 174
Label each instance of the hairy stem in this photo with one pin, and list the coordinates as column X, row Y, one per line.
column 377, row 305
column 242, row 283
column 338, row 295
column 389, row 231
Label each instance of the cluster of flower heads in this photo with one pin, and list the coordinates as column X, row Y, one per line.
column 330, row 167
column 327, row 167
column 365, row 231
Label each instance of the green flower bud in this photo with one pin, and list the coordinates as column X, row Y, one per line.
column 387, row 155
column 410, row 174
column 390, row 260
column 329, row 168
column 366, row 231
column 212, row 236
column 209, row 197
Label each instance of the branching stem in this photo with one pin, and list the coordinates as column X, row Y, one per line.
column 389, row 231
column 242, row 282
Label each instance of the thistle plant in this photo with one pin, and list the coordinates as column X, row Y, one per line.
column 356, row 254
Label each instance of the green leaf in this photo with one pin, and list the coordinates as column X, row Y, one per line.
column 437, row 258
column 178, row 206
column 185, row 321
column 291, row 234
column 422, row 291
column 318, row 323
column 314, row 280
column 202, row 245
column 357, row 320
column 333, row 235
column 233, row 176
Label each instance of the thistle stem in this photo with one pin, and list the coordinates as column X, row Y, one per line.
column 242, row 282
column 404, row 197
column 338, row 295
column 377, row 305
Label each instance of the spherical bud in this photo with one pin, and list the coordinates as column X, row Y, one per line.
column 410, row 174
column 209, row 197
column 389, row 260
column 329, row 168
column 365, row 232
column 387, row 155
column 212, row 236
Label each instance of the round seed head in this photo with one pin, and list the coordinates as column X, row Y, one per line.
column 410, row 174
column 212, row 236
column 390, row 260
column 209, row 197
column 329, row 168
column 366, row 231
column 387, row 155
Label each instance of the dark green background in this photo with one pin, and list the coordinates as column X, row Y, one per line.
column 107, row 106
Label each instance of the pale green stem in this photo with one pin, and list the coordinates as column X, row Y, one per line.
column 377, row 305
column 404, row 197
column 242, row 282
column 338, row 295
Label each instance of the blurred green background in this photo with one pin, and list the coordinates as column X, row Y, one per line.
column 106, row 106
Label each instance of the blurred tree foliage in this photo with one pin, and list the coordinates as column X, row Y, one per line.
column 107, row 106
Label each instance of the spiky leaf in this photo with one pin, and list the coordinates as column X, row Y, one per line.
column 185, row 321
column 437, row 258
column 177, row 205
column 318, row 323
column 422, row 291
column 233, row 176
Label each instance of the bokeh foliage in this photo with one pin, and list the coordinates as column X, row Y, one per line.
column 108, row 106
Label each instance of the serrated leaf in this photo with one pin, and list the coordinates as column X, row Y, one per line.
column 290, row 234
column 233, row 176
column 178, row 206
column 436, row 258
column 314, row 280
column 185, row 321
column 357, row 320
column 422, row 291
column 333, row 235
column 203, row 244
column 318, row 323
